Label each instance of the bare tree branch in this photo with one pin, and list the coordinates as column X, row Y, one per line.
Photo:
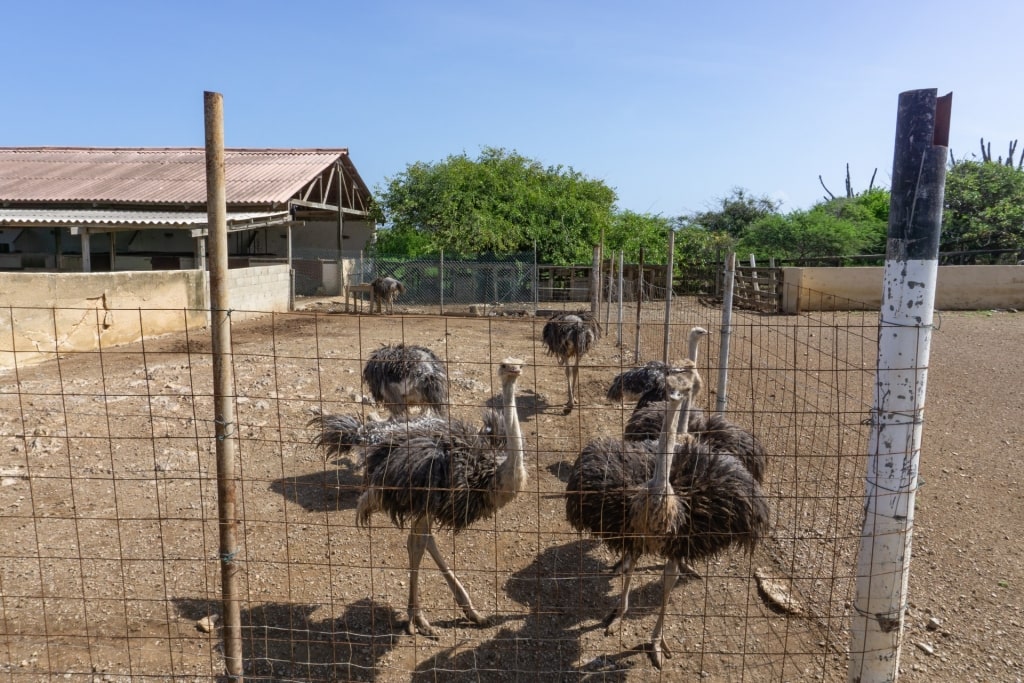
column 830, row 195
column 871, row 185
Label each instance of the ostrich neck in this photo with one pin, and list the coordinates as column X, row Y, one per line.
column 511, row 473
column 667, row 446
column 694, row 347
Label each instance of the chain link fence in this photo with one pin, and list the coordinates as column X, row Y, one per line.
column 441, row 281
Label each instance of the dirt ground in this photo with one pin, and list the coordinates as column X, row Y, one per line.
column 108, row 506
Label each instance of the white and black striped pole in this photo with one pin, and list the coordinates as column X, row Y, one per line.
column 904, row 340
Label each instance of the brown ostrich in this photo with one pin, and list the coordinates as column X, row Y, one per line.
column 568, row 337
column 618, row 493
column 450, row 477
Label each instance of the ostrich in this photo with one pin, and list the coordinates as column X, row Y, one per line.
column 451, row 477
column 707, row 503
column 384, row 290
column 568, row 336
column 714, row 430
column 648, row 381
column 403, row 375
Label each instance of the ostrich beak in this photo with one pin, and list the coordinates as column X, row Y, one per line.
column 512, row 366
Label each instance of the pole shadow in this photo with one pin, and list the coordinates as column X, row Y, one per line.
column 285, row 642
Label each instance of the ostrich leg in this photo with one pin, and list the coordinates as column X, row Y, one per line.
column 659, row 648
column 419, row 536
column 614, row 618
column 575, row 377
column 461, row 596
column 568, row 386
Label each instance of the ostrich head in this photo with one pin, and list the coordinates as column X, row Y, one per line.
column 683, row 377
column 693, row 342
column 510, row 369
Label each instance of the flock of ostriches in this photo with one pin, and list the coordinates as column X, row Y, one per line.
column 679, row 484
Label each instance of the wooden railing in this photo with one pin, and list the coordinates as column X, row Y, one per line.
column 758, row 288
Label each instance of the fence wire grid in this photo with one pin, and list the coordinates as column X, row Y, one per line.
column 110, row 566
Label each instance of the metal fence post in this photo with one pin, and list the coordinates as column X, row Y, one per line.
column 618, row 338
column 729, row 278
column 441, row 278
column 535, row 280
column 639, row 305
column 669, row 274
column 904, row 341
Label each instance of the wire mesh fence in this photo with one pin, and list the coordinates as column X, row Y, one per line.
column 436, row 280
column 109, row 561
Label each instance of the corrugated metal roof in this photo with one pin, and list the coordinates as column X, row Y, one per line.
column 84, row 218
column 158, row 175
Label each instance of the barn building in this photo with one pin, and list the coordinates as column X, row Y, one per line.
column 75, row 209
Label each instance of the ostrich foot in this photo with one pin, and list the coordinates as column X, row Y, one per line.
column 659, row 652
column 567, row 409
column 611, row 622
column 418, row 624
column 477, row 618
column 616, row 568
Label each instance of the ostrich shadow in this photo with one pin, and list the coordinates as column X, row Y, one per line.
column 328, row 490
column 283, row 641
column 561, row 470
column 566, row 593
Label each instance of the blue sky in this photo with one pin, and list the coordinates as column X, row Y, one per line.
column 673, row 104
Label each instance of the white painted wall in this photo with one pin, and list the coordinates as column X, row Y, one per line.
column 958, row 288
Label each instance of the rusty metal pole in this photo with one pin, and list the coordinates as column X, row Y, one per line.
column 897, row 416
column 669, row 274
column 225, row 425
column 725, row 336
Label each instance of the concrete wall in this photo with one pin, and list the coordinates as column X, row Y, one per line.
column 43, row 314
column 959, row 288
column 259, row 289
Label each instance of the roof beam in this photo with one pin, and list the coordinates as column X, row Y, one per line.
column 327, row 207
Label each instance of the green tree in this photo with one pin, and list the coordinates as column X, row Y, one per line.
column 984, row 207
column 501, row 202
column 803, row 234
column 630, row 231
column 735, row 213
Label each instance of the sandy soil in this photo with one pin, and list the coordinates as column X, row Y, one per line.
column 110, row 546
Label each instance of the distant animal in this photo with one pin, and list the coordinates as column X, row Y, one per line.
column 384, row 290
column 568, row 337
column 401, row 376
column 449, row 476
column 618, row 491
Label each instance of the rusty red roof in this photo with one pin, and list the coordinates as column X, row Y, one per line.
column 161, row 175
